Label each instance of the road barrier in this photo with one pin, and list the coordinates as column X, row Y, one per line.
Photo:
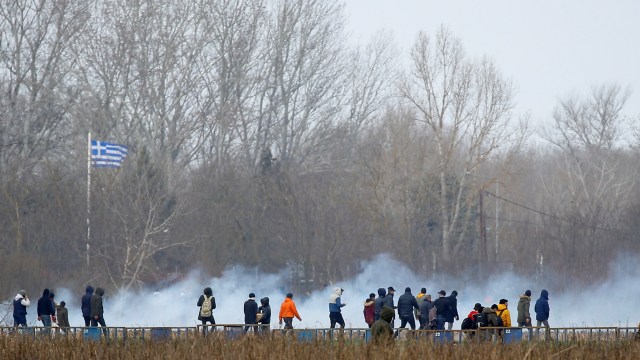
column 363, row 335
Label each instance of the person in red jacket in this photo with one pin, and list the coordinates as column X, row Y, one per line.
column 288, row 311
column 369, row 309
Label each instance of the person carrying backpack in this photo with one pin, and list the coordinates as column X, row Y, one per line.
column 206, row 303
column 503, row 312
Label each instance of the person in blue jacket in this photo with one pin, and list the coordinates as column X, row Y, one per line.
column 86, row 305
column 335, row 308
column 542, row 310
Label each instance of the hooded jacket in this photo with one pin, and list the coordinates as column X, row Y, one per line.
column 45, row 305
column 406, row 304
column 492, row 317
column 379, row 303
column 335, row 302
column 505, row 315
column 250, row 311
column 96, row 304
column 381, row 330
column 86, row 301
column 63, row 316
column 523, row 308
column 542, row 306
column 288, row 310
column 369, row 311
column 265, row 309
column 20, row 304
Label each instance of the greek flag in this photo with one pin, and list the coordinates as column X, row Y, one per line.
column 104, row 154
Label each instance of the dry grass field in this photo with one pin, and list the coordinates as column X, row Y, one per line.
column 22, row 347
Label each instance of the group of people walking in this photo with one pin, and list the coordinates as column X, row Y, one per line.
column 50, row 312
column 379, row 312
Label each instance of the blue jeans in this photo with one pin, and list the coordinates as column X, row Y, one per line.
column 440, row 323
column 46, row 320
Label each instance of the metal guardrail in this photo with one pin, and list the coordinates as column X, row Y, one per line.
column 234, row 331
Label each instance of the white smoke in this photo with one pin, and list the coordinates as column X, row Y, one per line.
column 610, row 303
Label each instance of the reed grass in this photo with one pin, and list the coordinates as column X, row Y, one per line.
column 251, row 347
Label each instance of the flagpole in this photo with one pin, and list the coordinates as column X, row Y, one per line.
column 88, row 194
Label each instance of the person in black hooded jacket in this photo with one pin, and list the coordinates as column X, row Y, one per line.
column 97, row 310
column 379, row 303
column 45, row 308
column 265, row 310
column 86, row 305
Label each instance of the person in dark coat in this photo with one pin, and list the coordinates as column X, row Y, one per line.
column 45, row 308
column 97, row 310
column 388, row 301
column 524, row 318
column 381, row 331
column 425, row 310
column 206, row 315
column 406, row 304
column 63, row 316
column 453, row 313
column 265, row 311
column 86, row 305
column 20, row 303
column 542, row 310
column 443, row 308
column 379, row 303
column 250, row 312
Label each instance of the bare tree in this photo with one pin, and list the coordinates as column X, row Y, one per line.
column 593, row 179
column 466, row 107
column 307, row 62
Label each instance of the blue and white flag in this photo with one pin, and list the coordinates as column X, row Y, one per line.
column 104, row 154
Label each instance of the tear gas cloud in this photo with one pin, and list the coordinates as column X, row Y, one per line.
column 609, row 303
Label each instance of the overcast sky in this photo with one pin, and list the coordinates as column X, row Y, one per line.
column 549, row 48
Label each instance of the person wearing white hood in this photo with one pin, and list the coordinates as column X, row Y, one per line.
column 20, row 303
column 335, row 306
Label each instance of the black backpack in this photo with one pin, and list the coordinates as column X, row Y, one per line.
column 467, row 324
column 500, row 322
column 481, row 321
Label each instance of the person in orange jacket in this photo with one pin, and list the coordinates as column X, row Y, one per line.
column 288, row 311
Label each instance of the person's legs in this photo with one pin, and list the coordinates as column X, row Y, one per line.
column 332, row 320
column 539, row 323
column 340, row 320
column 87, row 321
column 288, row 323
column 403, row 321
column 450, row 325
column 440, row 323
column 103, row 325
column 412, row 322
